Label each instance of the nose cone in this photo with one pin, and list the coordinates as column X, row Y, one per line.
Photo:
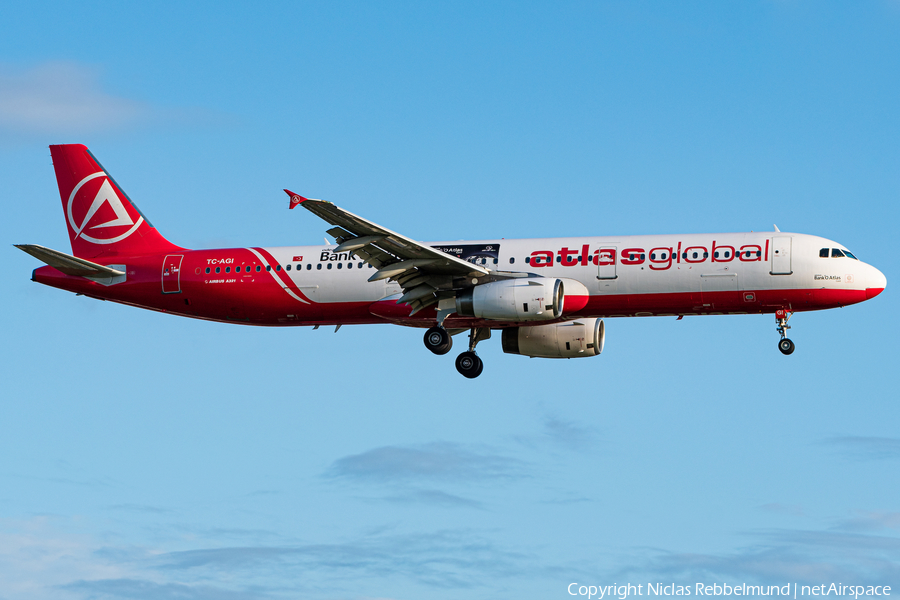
column 876, row 283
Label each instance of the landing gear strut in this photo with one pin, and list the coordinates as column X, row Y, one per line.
column 438, row 340
column 468, row 364
column 781, row 321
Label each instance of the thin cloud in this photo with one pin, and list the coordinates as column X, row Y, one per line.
column 781, row 556
column 563, row 434
column 433, row 498
column 68, row 98
column 865, row 447
column 62, row 97
column 437, row 460
column 138, row 589
column 871, row 521
column 446, row 559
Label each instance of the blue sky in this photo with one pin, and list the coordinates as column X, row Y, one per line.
column 148, row 456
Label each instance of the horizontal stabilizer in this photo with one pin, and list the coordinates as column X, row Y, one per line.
column 67, row 264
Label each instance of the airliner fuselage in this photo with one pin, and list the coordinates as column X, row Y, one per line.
column 548, row 296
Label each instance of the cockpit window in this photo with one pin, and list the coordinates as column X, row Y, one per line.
column 823, row 253
column 835, row 253
column 847, row 253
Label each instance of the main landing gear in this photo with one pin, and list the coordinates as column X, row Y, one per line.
column 781, row 321
column 438, row 340
column 468, row 363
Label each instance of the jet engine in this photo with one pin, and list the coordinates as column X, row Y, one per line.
column 574, row 339
column 524, row 299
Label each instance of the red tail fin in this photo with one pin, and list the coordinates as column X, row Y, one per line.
column 101, row 219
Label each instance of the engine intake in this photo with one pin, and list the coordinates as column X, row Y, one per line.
column 575, row 339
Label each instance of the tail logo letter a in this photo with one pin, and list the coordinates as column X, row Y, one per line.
column 106, row 194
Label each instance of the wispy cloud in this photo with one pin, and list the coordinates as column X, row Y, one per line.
column 780, row 556
column 433, row 498
column 139, row 589
column 865, row 447
column 871, row 521
column 40, row 563
column 560, row 433
column 68, row 98
column 437, row 460
column 62, row 97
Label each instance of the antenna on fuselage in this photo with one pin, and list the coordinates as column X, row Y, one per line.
column 776, row 228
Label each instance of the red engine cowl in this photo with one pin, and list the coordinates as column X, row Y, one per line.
column 574, row 339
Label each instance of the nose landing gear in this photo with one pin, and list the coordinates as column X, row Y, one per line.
column 782, row 317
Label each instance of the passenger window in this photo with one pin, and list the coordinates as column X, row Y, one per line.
column 287, row 267
column 340, row 265
column 823, row 253
column 495, row 261
column 207, row 269
column 268, row 267
column 835, row 253
column 218, row 269
column 695, row 255
column 512, row 260
column 706, row 255
column 308, row 266
column 258, row 268
column 277, row 267
column 319, row 266
column 228, row 269
column 359, row 266
column 329, row 265
column 527, row 260
column 247, row 269
column 715, row 255
column 653, row 256
column 349, row 265
column 559, row 259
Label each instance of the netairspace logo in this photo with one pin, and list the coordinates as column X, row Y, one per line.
column 790, row 590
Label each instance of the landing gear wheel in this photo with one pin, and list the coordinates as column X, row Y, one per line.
column 469, row 365
column 786, row 346
column 438, row 340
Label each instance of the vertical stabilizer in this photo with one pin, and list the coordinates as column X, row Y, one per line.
column 101, row 219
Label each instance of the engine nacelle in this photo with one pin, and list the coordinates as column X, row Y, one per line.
column 574, row 339
column 524, row 299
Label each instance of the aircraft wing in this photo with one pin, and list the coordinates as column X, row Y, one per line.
column 422, row 271
column 68, row 264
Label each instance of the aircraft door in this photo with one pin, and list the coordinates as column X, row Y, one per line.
column 606, row 263
column 171, row 274
column 781, row 256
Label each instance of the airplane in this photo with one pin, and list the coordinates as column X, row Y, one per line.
column 548, row 297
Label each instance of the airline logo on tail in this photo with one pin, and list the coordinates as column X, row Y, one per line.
column 92, row 201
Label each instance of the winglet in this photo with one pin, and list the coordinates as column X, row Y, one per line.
column 295, row 198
